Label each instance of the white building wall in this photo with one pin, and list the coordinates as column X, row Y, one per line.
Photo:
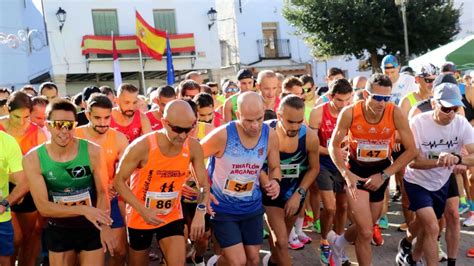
column 466, row 21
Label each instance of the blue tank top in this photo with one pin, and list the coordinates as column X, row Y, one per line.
column 235, row 175
column 293, row 165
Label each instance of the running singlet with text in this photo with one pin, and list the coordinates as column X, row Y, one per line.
column 133, row 130
column 69, row 183
column 328, row 123
column 235, row 175
column 371, row 142
column 293, row 165
column 109, row 147
column 158, row 184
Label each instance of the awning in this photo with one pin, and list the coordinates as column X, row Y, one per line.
column 180, row 43
column 460, row 52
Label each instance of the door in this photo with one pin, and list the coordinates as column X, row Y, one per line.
column 270, row 41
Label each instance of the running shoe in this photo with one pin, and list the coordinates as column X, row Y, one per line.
column 383, row 222
column 336, row 252
column 404, row 248
column 403, row 227
column 463, row 208
column 470, row 252
column 470, row 220
column 317, row 227
column 308, row 221
column 304, row 239
column 295, row 244
column 407, row 260
column 377, row 239
column 212, row 260
column 396, row 196
column 325, row 252
column 441, row 254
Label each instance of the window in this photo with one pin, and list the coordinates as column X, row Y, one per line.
column 165, row 19
column 105, row 21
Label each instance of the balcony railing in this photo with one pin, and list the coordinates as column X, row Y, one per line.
column 274, row 49
column 92, row 46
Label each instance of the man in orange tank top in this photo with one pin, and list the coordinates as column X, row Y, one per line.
column 158, row 163
column 370, row 126
column 126, row 118
column 113, row 143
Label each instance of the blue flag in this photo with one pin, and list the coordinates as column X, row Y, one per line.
column 169, row 63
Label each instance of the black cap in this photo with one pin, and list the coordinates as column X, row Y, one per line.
column 244, row 74
column 407, row 70
column 444, row 78
column 88, row 91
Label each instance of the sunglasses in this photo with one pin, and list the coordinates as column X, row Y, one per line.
column 60, row 124
column 380, row 98
column 429, row 81
column 179, row 130
column 448, row 110
column 227, row 90
column 3, row 102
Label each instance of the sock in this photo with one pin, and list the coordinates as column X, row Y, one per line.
column 341, row 241
column 309, row 213
column 471, row 205
column 299, row 225
column 198, row 259
column 293, row 235
column 462, row 200
column 451, row 262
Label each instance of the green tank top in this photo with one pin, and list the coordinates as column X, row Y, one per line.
column 233, row 98
column 69, row 183
column 411, row 98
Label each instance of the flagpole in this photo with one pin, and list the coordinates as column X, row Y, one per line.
column 142, row 70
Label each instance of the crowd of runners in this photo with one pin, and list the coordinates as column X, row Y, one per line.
column 95, row 178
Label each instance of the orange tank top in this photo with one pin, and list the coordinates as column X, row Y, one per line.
column 371, row 142
column 109, row 147
column 158, row 184
column 29, row 140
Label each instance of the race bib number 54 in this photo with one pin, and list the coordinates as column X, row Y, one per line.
column 238, row 186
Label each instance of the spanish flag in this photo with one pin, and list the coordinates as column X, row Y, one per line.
column 150, row 40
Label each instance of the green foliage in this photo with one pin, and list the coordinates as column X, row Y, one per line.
column 355, row 27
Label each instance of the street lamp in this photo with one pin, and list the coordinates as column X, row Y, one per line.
column 212, row 15
column 402, row 4
column 61, row 15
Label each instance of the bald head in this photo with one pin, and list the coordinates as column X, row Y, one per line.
column 249, row 101
column 179, row 113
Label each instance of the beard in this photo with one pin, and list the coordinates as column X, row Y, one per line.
column 97, row 129
column 128, row 113
column 292, row 133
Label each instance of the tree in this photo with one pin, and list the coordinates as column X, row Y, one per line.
column 361, row 27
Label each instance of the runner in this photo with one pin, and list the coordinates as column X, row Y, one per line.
column 333, row 73
column 164, row 95
column 234, row 170
column 309, row 93
column 439, row 135
column 26, row 221
column 67, row 178
column 330, row 181
column 153, row 198
column 30, row 90
column 49, row 90
column 299, row 162
column 98, row 112
column 267, row 85
column 205, row 109
column 125, row 117
column 370, row 126
column 11, row 171
column 4, row 93
column 293, row 85
column 111, row 94
column 188, row 89
column 245, row 82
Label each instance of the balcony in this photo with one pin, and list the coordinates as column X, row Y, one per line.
column 274, row 49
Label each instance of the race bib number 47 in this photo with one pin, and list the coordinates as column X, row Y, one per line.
column 74, row 200
column 368, row 152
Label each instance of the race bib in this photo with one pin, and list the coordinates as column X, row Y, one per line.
column 238, row 186
column 163, row 201
column 290, row 170
column 83, row 198
column 369, row 152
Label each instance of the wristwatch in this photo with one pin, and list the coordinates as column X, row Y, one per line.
column 302, row 192
column 459, row 158
column 5, row 204
column 201, row 207
column 385, row 176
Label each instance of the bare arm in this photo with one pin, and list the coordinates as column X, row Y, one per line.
column 340, row 131
column 315, row 122
column 228, row 110
column 146, row 126
column 405, row 106
column 214, row 143
column 99, row 170
column 312, row 145
column 273, row 157
column 406, row 137
column 21, row 188
column 197, row 161
column 122, row 143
